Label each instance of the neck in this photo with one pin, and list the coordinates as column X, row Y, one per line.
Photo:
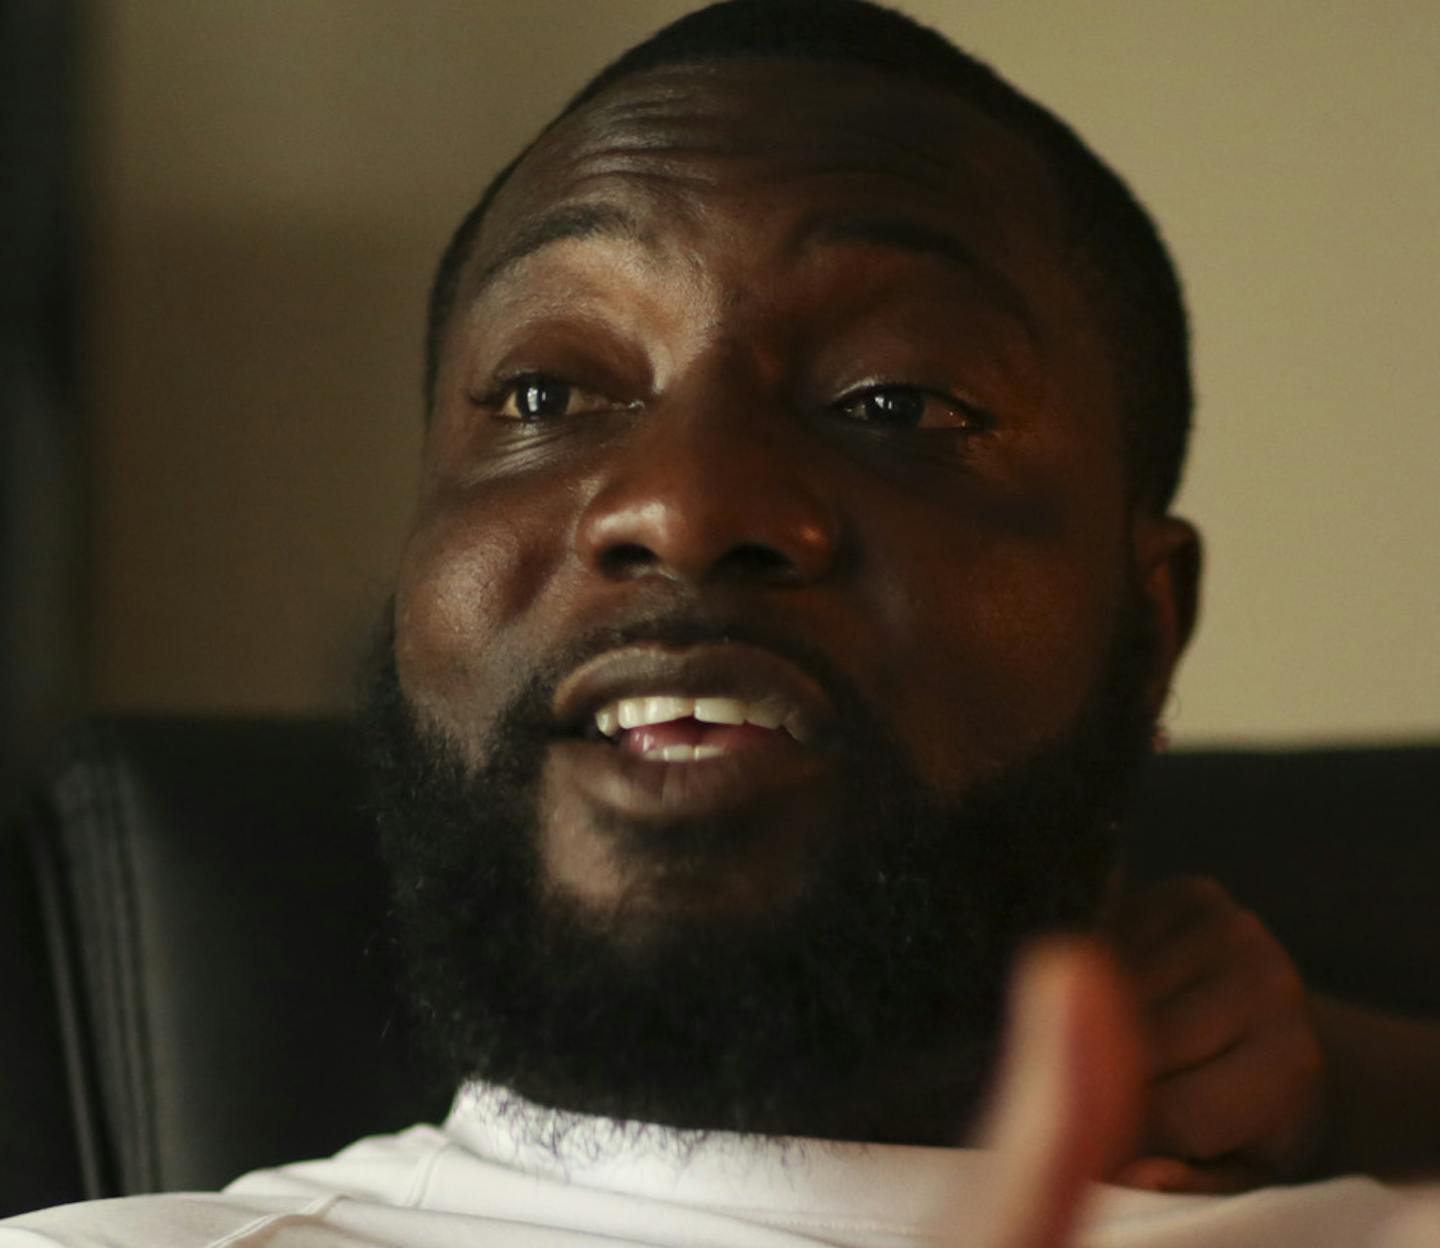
column 928, row 1100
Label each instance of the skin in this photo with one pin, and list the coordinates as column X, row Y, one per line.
column 758, row 253
column 1075, row 1064
column 717, row 468
column 1251, row 1078
column 1236, row 1069
column 1067, row 1103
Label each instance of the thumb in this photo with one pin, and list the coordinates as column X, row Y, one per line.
column 1068, row 1103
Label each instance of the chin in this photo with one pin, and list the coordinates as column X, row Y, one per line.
column 767, row 966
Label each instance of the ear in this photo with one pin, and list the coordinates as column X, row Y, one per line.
column 1167, row 561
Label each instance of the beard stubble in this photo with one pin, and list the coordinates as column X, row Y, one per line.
column 865, row 1008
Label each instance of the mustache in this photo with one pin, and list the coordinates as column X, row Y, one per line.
column 678, row 627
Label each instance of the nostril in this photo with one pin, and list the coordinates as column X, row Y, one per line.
column 752, row 561
column 749, row 561
column 627, row 559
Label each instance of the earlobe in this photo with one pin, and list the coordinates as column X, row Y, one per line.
column 1168, row 559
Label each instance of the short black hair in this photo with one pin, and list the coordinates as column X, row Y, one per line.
column 1114, row 244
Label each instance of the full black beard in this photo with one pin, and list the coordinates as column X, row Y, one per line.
column 868, row 1008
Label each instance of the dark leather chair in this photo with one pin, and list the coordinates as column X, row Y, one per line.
column 192, row 980
column 192, row 983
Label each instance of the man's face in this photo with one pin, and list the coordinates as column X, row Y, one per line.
column 811, row 368
column 768, row 396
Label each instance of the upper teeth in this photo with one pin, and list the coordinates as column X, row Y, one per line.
column 641, row 712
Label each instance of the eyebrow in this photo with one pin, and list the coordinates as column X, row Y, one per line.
column 600, row 220
column 903, row 234
column 570, row 221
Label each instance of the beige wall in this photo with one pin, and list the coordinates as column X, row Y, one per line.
column 273, row 179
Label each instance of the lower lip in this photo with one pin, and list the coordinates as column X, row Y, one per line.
column 634, row 787
column 731, row 738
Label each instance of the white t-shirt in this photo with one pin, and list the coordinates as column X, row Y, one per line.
column 508, row 1174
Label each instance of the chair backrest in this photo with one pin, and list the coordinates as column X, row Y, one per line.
column 220, row 996
column 39, row 1158
column 193, row 984
column 1338, row 850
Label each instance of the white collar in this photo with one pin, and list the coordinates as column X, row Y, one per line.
column 880, row 1185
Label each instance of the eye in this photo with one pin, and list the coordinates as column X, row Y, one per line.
column 540, row 396
column 911, row 407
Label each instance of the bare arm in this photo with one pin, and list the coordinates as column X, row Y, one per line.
column 1383, row 1091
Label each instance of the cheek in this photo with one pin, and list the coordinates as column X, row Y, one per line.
column 473, row 568
column 998, row 639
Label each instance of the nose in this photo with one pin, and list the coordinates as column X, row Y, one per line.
column 701, row 497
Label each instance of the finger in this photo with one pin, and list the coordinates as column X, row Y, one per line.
column 1068, row 1094
column 1200, row 1023
column 1170, row 1174
column 1230, row 940
column 1235, row 1103
column 1154, row 914
column 1253, row 989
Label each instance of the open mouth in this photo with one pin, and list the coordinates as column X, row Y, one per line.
column 690, row 704
column 680, row 728
column 655, row 730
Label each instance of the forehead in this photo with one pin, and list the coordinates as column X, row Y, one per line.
column 757, row 145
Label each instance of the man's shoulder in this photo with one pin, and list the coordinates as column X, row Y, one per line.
column 1349, row 1212
column 302, row 1198
column 181, row 1220
column 383, row 1169
column 231, row 1220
